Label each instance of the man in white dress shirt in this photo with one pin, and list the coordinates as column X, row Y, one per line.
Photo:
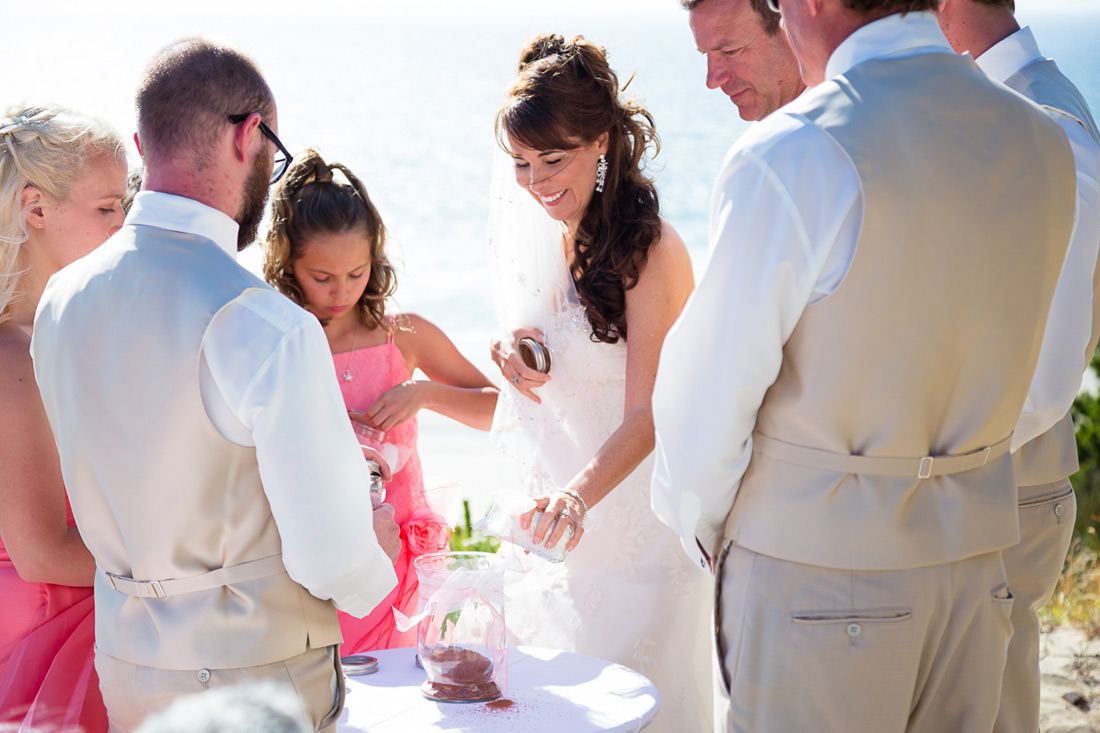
column 209, row 460
column 988, row 31
column 748, row 57
column 884, row 253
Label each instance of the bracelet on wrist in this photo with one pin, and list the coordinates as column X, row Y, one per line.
column 575, row 495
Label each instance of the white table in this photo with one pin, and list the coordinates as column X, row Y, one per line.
column 550, row 691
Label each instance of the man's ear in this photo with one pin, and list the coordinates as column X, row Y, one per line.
column 244, row 134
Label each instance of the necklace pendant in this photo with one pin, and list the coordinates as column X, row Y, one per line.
column 347, row 375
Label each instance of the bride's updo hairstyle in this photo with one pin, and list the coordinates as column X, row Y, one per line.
column 307, row 204
column 46, row 147
column 566, row 95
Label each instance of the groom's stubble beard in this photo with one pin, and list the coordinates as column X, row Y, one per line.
column 251, row 211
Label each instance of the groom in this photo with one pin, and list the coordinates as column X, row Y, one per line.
column 884, row 254
column 210, row 463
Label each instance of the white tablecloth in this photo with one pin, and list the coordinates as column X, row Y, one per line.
column 549, row 690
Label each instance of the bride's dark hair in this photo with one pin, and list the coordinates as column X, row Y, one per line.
column 309, row 203
column 567, row 95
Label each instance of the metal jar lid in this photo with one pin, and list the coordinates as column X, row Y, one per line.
column 534, row 354
column 377, row 484
column 357, row 664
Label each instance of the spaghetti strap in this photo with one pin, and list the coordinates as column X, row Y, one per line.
column 393, row 328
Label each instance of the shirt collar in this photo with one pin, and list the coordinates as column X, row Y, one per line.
column 180, row 214
column 893, row 36
column 1010, row 55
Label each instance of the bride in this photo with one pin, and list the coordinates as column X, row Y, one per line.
column 590, row 270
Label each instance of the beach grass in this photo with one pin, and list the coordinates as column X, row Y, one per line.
column 1076, row 600
column 465, row 538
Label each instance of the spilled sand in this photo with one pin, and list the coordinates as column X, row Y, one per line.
column 1070, row 668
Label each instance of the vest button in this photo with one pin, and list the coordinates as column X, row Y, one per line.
column 203, row 675
column 1059, row 510
column 854, row 630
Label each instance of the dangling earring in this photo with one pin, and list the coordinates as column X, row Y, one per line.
column 601, row 173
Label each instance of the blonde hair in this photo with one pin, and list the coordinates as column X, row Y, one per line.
column 45, row 147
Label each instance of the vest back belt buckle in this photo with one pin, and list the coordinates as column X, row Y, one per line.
column 925, row 470
column 140, row 588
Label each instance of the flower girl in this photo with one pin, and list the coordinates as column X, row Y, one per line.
column 325, row 250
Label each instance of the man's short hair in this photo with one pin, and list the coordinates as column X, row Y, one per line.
column 891, row 6
column 768, row 18
column 1010, row 4
column 188, row 91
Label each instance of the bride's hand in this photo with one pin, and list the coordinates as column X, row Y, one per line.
column 504, row 349
column 558, row 504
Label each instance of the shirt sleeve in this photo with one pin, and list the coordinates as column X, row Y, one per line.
column 272, row 368
column 1063, row 355
column 785, row 219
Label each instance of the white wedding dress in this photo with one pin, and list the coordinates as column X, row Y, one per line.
column 628, row 592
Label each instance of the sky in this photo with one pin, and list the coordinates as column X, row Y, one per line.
column 437, row 8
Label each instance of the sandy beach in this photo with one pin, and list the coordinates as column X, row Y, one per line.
column 1070, row 666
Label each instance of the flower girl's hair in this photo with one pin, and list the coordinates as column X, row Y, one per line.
column 45, row 147
column 566, row 94
column 308, row 203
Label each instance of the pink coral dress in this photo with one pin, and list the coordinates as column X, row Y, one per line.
column 374, row 370
column 47, row 674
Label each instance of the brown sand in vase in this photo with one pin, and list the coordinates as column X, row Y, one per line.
column 462, row 675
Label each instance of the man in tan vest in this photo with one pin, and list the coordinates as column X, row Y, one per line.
column 748, row 57
column 835, row 406
column 988, row 31
column 212, row 469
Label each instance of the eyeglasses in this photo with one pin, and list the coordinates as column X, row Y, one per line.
column 773, row 5
column 282, row 156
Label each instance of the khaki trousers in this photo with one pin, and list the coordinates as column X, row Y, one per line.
column 131, row 692
column 806, row 648
column 1047, row 513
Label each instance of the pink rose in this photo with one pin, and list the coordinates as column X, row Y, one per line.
column 426, row 531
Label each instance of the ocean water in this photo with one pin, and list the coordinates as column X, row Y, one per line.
column 405, row 95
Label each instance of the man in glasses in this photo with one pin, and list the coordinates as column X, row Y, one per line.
column 204, row 444
column 747, row 54
column 988, row 31
column 885, row 252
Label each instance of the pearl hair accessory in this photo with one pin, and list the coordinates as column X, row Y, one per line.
column 601, row 173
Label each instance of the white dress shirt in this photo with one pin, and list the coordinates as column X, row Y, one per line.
column 1062, row 358
column 266, row 381
column 785, row 219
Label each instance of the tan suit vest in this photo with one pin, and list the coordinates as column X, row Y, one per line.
column 1053, row 455
column 928, row 346
column 157, row 491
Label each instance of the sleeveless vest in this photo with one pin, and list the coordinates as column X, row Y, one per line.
column 157, row 491
column 883, row 442
column 1052, row 456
